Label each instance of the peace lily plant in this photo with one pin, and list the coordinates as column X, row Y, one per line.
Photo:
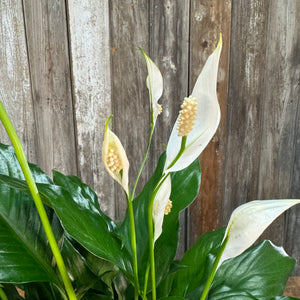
column 80, row 253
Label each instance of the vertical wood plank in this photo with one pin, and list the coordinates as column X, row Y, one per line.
column 208, row 19
column 169, row 47
column 15, row 92
column 46, row 34
column 89, row 46
column 247, row 61
column 128, row 31
column 279, row 162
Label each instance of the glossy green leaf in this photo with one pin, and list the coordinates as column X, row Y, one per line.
column 82, row 194
column 261, row 271
column 24, row 252
column 41, row 290
column 82, row 277
column 75, row 205
column 196, row 263
column 86, row 225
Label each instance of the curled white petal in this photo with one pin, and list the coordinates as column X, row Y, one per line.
column 111, row 144
column 154, row 83
column 249, row 221
column 159, row 204
column 207, row 119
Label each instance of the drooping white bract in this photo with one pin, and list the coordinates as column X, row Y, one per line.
column 160, row 201
column 249, row 221
column 207, row 118
column 114, row 157
column 154, row 83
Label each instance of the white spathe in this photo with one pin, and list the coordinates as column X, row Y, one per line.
column 159, row 203
column 249, row 221
column 111, row 141
column 207, row 119
column 154, row 83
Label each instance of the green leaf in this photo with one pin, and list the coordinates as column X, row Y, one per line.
column 197, row 263
column 82, row 277
column 78, row 212
column 42, row 290
column 261, row 271
column 82, row 194
column 87, row 225
column 25, row 255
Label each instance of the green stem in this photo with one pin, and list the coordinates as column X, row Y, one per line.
column 133, row 247
column 2, row 294
column 144, row 160
column 37, row 200
column 213, row 271
column 151, row 234
column 146, row 281
column 182, row 148
column 131, row 214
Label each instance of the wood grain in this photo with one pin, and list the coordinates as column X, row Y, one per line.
column 169, row 47
column 129, row 31
column 15, row 91
column 46, row 35
column 292, row 287
column 247, row 61
column 279, row 158
column 208, row 20
column 90, row 56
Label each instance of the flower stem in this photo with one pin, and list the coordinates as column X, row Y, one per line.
column 133, row 247
column 144, row 160
column 37, row 200
column 151, row 234
column 146, row 281
column 213, row 271
column 182, row 148
column 131, row 218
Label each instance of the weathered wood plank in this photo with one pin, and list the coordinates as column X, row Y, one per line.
column 280, row 149
column 292, row 287
column 90, row 56
column 247, row 58
column 128, row 31
column 15, row 91
column 208, row 19
column 46, row 34
column 169, row 47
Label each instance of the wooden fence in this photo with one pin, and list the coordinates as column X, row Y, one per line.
column 65, row 66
